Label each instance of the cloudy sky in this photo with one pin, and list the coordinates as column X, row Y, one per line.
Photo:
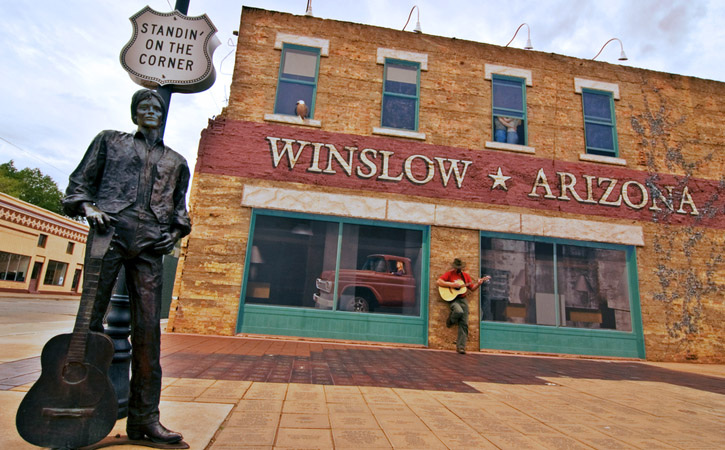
column 62, row 81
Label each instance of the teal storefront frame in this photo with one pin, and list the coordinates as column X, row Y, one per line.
column 333, row 324
column 568, row 340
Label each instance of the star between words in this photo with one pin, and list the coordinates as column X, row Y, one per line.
column 382, row 165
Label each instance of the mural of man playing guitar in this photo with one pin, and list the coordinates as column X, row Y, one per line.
column 453, row 287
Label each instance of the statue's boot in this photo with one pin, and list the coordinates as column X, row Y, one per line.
column 154, row 431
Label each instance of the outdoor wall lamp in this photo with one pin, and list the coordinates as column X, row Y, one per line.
column 528, row 45
column 622, row 56
column 417, row 28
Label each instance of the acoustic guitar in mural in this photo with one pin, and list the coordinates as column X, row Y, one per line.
column 73, row 404
column 449, row 294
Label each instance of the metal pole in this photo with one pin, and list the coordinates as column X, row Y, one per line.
column 165, row 91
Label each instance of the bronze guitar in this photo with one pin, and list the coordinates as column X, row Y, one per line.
column 73, row 403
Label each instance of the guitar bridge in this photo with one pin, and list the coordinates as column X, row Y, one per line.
column 68, row 412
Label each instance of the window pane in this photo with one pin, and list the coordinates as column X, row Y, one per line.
column 597, row 106
column 599, row 136
column 288, row 255
column 521, row 288
column 594, row 287
column 287, row 95
column 401, row 79
column 508, row 94
column 399, row 112
column 380, row 270
column 299, row 65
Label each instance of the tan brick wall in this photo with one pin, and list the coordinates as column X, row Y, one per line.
column 209, row 276
column 666, row 124
column 682, row 278
column 446, row 245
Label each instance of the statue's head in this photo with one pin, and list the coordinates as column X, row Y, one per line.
column 146, row 96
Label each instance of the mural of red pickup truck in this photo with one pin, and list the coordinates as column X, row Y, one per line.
column 385, row 283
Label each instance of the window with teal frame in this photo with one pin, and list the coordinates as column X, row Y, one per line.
column 509, row 109
column 558, row 283
column 302, row 261
column 298, row 73
column 600, row 130
column 401, row 91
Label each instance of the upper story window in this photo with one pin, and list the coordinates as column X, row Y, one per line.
column 69, row 248
column 600, row 131
column 401, row 89
column 298, row 72
column 401, row 92
column 42, row 240
column 509, row 109
column 600, row 125
column 509, row 121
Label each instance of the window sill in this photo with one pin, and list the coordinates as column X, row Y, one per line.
column 399, row 133
column 510, row 147
column 602, row 159
column 294, row 120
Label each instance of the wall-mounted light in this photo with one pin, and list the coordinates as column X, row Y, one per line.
column 417, row 28
column 528, row 45
column 622, row 56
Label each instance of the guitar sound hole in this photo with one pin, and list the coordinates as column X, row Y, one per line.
column 74, row 373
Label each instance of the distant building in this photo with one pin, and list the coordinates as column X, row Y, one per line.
column 41, row 252
column 592, row 193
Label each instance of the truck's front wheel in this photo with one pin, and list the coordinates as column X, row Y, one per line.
column 359, row 304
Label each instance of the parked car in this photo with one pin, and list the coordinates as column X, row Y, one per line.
column 384, row 281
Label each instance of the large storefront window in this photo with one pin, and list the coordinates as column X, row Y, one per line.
column 13, row 267
column 556, row 284
column 55, row 273
column 334, row 265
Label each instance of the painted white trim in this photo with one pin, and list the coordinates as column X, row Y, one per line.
column 490, row 69
column 469, row 217
column 284, row 38
column 421, row 58
column 580, row 83
column 294, row 120
column 399, row 133
column 602, row 159
column 510, row 147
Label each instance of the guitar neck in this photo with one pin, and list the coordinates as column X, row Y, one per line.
column 77, row 346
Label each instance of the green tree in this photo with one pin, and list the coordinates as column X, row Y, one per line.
column 30, row 185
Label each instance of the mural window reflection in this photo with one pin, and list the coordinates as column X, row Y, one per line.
column 555, row 284
column 509, row 109
column 335, row 265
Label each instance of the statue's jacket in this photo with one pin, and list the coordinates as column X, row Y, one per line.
column 108, row 176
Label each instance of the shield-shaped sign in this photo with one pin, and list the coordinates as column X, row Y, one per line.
column 171, row 49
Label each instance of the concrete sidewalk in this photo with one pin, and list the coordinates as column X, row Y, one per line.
column 236, row 393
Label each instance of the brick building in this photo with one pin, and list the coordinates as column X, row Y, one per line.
column 592, row 193
column 41, row 252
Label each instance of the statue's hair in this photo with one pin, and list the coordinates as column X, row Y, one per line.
column 142, row 95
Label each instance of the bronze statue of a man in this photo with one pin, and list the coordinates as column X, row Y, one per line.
column 138, row 184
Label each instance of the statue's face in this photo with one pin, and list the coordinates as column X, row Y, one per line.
column 149, row 113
